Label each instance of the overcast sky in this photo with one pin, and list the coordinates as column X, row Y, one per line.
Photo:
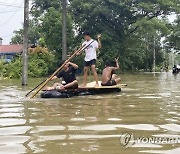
column 11, row 18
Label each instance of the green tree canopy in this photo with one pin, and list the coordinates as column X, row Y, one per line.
column 128, row 28
column 174, row 38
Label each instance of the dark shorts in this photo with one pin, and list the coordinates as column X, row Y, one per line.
column 90, row 63
column 109, row 83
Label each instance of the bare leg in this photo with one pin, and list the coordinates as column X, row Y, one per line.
column 54, row 86
column 72, row 84
column 116, row 78
column 49, row 88
column 93, row 67
column 85, row 76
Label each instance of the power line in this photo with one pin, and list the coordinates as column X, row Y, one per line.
column 6, row 36
column 11, row 4
column 16, row 6
column 4, row 1
column 8, row 11
column 10, row 17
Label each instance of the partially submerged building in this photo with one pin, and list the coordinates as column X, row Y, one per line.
column 8, row 52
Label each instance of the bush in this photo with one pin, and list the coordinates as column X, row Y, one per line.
column 2, row 68
column 41, row 63
column 14, row 68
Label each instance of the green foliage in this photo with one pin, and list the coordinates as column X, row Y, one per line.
column 148, row 33
column 177, row 59
column 174, row 38
column 14, row 69
column 39, row 7
column 2, row 67
column 124, row 26
column 48, row 18
column 18, row 38
column 131, row 29
column 33, row 34
column 41, row 63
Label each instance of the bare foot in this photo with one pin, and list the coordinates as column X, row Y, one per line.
column 97, row 85
column 62, row 88
column 49, row 88
column 83, row 86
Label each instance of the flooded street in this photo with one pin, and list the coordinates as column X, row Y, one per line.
column 149, row 107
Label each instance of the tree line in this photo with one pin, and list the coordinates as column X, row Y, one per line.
column 136, row 31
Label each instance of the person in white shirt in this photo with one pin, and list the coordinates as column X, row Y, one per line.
column 90, row 56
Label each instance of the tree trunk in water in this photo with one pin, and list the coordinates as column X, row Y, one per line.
column 64, row 29
column 25, row 43
column 154, row 55
column 147, row 49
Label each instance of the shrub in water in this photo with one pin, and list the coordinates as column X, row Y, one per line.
column 40, row 63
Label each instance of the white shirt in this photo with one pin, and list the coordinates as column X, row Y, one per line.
column 90, row 50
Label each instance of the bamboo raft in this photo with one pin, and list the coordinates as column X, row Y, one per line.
column 88, row 90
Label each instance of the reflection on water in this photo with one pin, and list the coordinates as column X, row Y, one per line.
column 148, row 107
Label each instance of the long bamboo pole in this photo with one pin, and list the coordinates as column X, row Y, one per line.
column 44, row 84
column 35, row 88
column 60, row 68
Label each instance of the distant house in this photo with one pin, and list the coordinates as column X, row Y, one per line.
column 8, row 52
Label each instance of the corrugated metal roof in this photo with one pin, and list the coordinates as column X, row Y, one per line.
column 15, row 48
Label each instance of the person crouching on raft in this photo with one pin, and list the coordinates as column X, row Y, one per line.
column 68, row 75
column 108, row 78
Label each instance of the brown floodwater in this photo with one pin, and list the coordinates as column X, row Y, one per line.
column 148, row 108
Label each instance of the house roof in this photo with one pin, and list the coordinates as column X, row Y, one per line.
column 15, row 48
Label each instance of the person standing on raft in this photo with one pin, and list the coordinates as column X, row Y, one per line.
column 90, row 56
column 108, row 78
column 68, row 75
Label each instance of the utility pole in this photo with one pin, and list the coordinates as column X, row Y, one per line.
column 25, row 43
column 154, row 55
column 147, row 50
column 164, row 55
column 64, row 29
